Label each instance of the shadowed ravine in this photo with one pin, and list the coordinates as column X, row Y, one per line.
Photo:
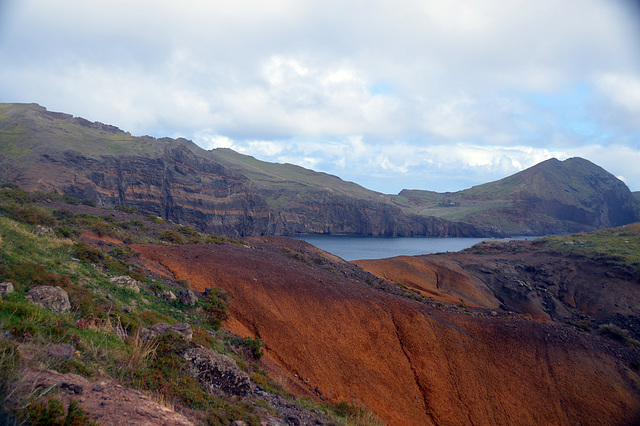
column 409, row 362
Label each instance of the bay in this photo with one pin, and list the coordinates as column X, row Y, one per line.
column 350, row 247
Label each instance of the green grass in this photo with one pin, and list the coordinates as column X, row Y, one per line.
column 618, row 245
column 102, row 332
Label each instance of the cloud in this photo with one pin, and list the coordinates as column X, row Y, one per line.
column 380, row 91
column 623, row 90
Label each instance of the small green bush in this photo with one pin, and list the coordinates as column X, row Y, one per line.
column 126, row 209
column 171, row 237
column 215, row 306
column 66, row 231
column 155, row 219
column 70, row 199
column 51, row 413
column 64, row 216
column 192, row 235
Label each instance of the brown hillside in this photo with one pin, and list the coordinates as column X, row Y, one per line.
column 410, row 363
column 557, row 286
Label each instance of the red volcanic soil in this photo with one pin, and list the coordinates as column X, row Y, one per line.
column 549, row 286
column 410, row 363
column 442, row 279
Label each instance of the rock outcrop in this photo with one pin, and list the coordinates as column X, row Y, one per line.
column 188, row 297
column 327, row 213
column 177, row 186
column 127, row 283
column 558, row 287
column 52, row 298
column 217, row 373
column 160, row 328
column 6, row 288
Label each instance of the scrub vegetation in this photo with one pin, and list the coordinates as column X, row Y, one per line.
column 45, row 246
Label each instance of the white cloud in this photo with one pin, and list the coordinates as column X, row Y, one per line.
column 623, row 90
column 392, row 89
column 210, row 141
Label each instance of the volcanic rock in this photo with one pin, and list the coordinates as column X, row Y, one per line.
column 188, row 297
column 127, row 283
column 161, row 328
column 331, row 333
column 52, row 298
column 6, row 288
column 169, row 296
column 217, row 373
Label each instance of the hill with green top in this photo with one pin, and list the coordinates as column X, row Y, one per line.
column 234, row 194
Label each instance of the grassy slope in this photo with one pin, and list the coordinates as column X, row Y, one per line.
column 281, row 183
column 29, row 130
column 100, row 319
column 567, row 181
column 618, row 245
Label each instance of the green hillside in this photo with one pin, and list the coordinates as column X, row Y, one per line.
column 28, row 131
column 281, row 183
column 551, row 197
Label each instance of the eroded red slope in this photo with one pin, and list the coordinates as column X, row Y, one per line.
column 407, row 362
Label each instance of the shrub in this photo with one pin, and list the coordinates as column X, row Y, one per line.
column 616, row 333
column 192, row 235
column 171, row 237
column 155, row 219
column 108, row 218
column 12, row 193
column 215, row 306
column 215, row 239
column 30, row 214
column 88, row 202
column 255, row 347
column 64, row 216
column 126, row 209
column 66, row 232
column 51, row 413
column 70, row 199
column 87, row 254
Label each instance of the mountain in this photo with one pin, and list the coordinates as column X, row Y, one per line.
column 551, row 197
column 170, row 178
column 228, row 193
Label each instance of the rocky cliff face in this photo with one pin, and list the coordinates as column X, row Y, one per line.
column 325, row 213
column 177, row 186
column 236, row 195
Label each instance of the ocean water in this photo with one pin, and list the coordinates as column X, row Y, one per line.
column 357, row 247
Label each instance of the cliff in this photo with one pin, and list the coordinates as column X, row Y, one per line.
column 232, row 194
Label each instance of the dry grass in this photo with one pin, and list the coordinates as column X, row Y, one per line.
column 138, row 351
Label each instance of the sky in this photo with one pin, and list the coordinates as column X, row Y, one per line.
column 417, row 94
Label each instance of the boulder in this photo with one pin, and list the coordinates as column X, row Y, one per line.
column 52, row 298
column 169, row 296
column 127, row 283
column 44, row 230
column 6, row 288
column 161, row 328
column 217, row 373
column 188, row 297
